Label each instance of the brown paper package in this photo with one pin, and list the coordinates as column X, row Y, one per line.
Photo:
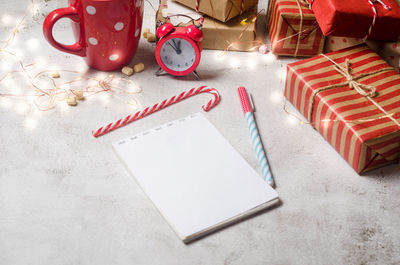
column 237, row 34
column 222, row 10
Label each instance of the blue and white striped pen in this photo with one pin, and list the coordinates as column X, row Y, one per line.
column 255, row 137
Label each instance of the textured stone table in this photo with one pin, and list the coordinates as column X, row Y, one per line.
column 66, row 199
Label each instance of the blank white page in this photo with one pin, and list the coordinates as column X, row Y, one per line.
column 195, row 178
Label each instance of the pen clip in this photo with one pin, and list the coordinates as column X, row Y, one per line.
column 250, row 97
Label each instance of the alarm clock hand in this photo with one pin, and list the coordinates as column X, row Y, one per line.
column 177, row 46
column 173, row 47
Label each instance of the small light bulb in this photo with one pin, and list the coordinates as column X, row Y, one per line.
column 234, row 62
column 105, row 98
column 291, row 120
column 18, row 53
column 33, row 44
column 269, row 57
column 220, row 56
column 30, row 123
column 6, row 65
column 276, row 97
column 100, row 76
column 41, row 61
column 34, row 10
column 6, row 19
column 81, row 67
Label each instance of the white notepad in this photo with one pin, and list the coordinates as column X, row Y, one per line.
column 194, row 177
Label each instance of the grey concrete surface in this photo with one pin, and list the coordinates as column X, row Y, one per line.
column 66, row 199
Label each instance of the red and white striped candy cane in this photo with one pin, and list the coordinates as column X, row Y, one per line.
column 167, row 102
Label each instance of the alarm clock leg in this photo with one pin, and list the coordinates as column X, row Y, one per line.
column 160, row 72
column 196, row 75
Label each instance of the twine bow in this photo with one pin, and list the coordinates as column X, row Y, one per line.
column 362, row 89
column 367, row 91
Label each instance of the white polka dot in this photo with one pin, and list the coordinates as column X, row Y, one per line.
column 91, row 10
column 119, row 26
column 137, row 32
column 138, row 3
column 93, row 41
column 113, row 57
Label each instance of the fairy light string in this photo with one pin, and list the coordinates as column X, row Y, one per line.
column 46, row 98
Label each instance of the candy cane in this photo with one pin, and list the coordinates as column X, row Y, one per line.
column 159, row 106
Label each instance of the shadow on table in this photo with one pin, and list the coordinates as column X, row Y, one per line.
column 280, row 203
column 387, row 172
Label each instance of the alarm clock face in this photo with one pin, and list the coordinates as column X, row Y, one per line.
column 177, row 54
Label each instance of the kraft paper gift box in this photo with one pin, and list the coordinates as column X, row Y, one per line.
column 238, row 34
column 293, row 29
column 371, row 19
column 389, row 51
column 222, row 10
column 336, row 93
column 337, row 43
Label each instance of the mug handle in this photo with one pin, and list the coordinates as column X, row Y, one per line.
column 68, row 12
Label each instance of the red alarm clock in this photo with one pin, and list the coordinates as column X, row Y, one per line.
column 178, row 50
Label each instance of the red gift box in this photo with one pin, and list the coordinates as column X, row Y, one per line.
column 373, row 19
column 352, row 97
column 293, row 29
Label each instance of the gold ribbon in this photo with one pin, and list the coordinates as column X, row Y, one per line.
column 364, row 90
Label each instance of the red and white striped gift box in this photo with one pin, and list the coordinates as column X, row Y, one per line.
column 293, row 29
column 364, row 130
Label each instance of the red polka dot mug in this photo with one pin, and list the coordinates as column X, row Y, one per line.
column 107, row 32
